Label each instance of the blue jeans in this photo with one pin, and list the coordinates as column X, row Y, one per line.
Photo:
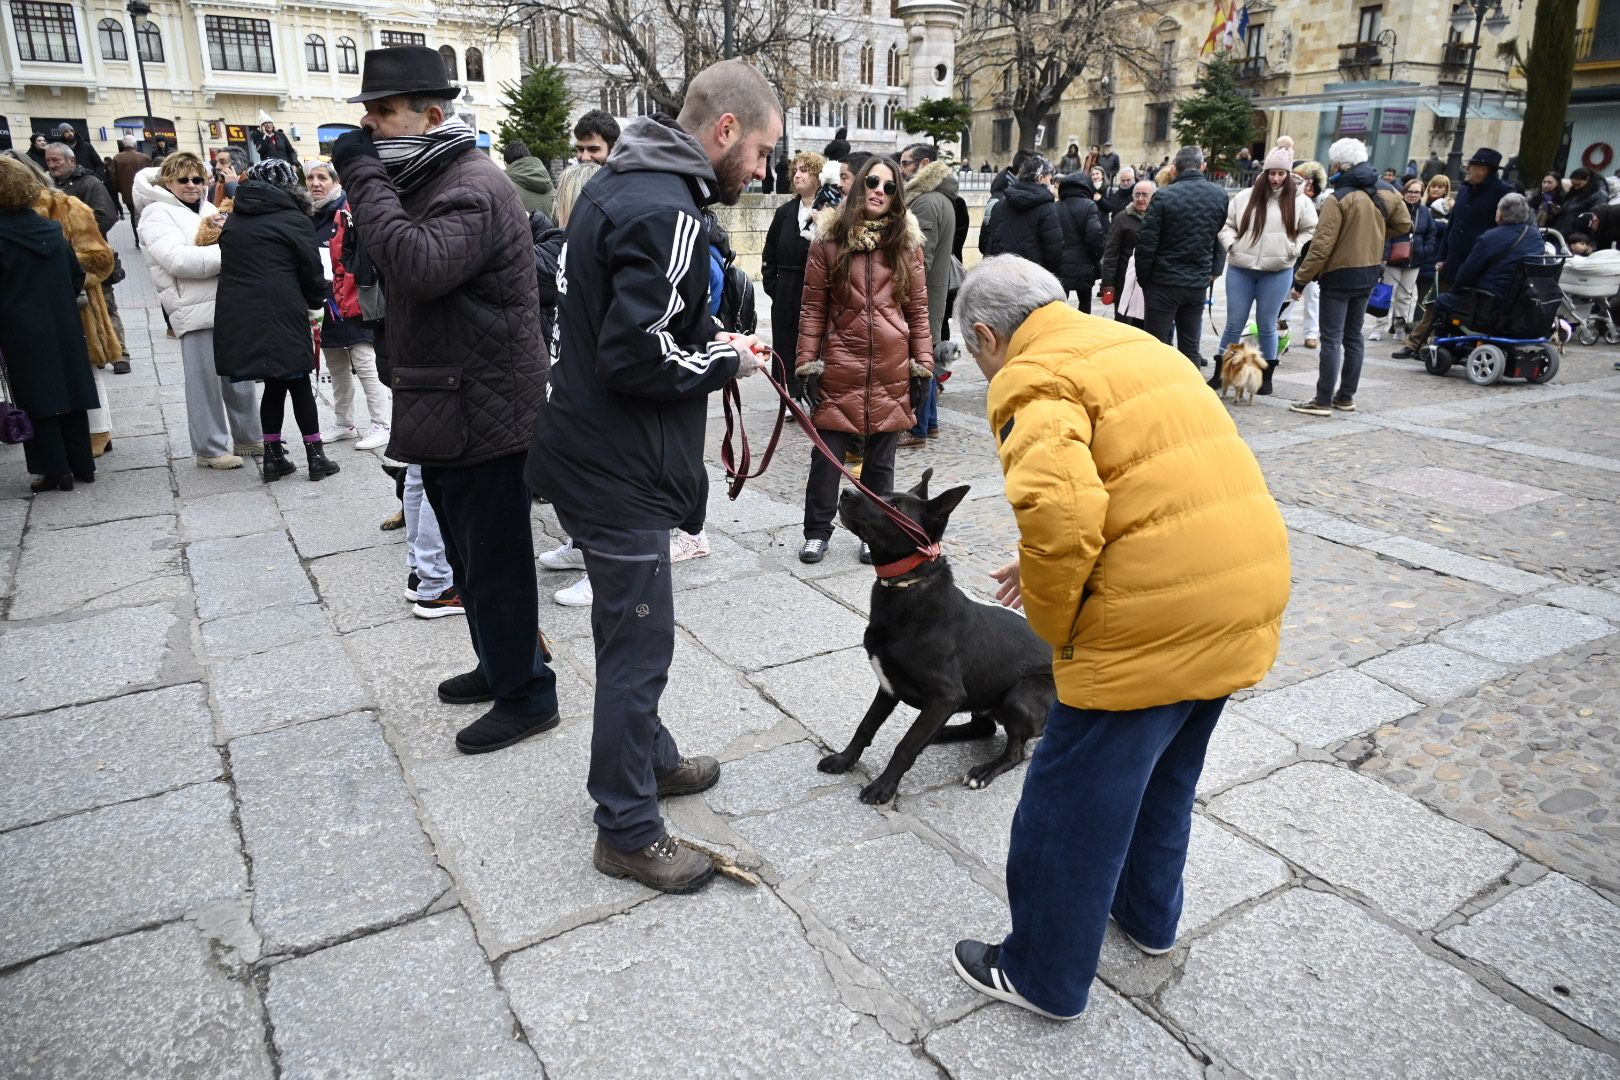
column 1342, row 316
column 1265, row 291
column 424, row 544
column 928, row 415
column 1101, row 829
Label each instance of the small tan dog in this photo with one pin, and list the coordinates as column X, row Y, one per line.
column 1242, row 370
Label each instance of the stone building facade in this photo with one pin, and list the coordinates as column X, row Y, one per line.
column 1387, row 72
column 213, row 65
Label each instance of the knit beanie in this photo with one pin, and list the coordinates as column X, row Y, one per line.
column 276, row 173
column 1280, row 158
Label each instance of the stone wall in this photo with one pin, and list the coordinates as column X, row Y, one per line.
column 748, row 221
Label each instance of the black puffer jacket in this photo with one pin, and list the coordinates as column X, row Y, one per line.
column 463, row 327
column 1083, row 232
column 548, row 247
column 270, row 279
column 620, row 441
column 1180, row 242
column 1026, row 224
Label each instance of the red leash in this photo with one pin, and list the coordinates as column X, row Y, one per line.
column 737, row 467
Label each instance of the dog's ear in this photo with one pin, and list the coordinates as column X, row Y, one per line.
column 921, row 490
column 937, row 511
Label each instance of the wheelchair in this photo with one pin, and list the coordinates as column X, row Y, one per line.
column 1503, row 337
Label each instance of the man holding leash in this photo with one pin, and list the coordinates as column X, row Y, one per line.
column 1154, row 561
column 619, row 446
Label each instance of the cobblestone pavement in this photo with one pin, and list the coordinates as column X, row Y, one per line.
column 236, row 839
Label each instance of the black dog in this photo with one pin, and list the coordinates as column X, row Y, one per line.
column 938, row 651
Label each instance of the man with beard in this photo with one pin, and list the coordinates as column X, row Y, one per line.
column 83, row 152
column 618, row 448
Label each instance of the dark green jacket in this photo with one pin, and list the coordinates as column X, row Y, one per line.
column 533, row 183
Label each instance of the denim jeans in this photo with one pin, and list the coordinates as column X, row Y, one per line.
column 1102, row 828
column 424, row 544
column 1342, row 316
column 928, row 415
column 1265, row 291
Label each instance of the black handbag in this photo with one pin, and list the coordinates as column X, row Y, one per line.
column 15, row 425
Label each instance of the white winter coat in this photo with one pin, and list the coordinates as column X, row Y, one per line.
column 186, row 275
column 1273, row 250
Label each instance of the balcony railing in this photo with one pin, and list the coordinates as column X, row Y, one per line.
column 1361, row 54
column 1592, row 45
column 1454, row 54
column 1253, row 69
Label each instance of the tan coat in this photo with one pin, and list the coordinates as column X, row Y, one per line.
column 78, row 223
column 864, row 341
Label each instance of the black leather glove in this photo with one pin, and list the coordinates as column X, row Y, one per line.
column 812, row 392
column 919, row 391
column 351, row 146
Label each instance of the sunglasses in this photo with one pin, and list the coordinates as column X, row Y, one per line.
column 889, row 187
column 190, row 180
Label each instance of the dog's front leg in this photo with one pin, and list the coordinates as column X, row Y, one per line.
column 882, row 705
column 922, row 732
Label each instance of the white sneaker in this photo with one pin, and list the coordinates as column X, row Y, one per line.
column 683, row 545
column 340, row 433
column 1375, row 335
column 375, row 439
column 564, row 557
column 576, row 595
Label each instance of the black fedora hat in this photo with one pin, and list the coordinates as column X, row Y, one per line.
column 403, row 69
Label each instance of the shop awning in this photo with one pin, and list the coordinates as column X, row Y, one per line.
column 332, row 132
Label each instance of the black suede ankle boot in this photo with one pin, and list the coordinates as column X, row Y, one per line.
column 319, row 466
column 276, row 464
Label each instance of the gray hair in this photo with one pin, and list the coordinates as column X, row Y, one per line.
column 1035, row 167
column 1514, row 209
column 1001, row 292
column 1189, row 159
column 1347, row 152
column 127, row 142
column 62, row 148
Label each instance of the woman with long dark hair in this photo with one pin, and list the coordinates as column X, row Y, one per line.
column 865, row 351
column 272, row 293
column 787, row 250
column 1267, row 226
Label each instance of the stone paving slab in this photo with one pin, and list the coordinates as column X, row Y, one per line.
column 253, row 693
column 761, row 622
column 1329, row 708
column 152, row 1004
column 136, row 494
column 86, row 756
column 1467, row 490
column 495, row 819
column 36, row 679
column 1432, row 673
column 771, row 780
column 401, row 665
column 853, row 890
column 112, row 870
column 1559, row 942
column 1467, row 567
column 462, row 1027
column 317, row 531
column 1584, row 598
column 1328, row 527
column 106, row 565
column 589, row 1000
column 362, row 588
column 13, row 513
column 1357, row 834
column 1240, row 749
column 263, row 630
column 136, row 450
column 331, row 831
column 796, row 840
column 1111, row 1041
column 1526, row 634
column 234, row 513
column 1293, row 988
column 246, row 573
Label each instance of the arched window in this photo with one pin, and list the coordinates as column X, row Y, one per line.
column 475, row 65
column 894, row 65
column 889, row 121
column 110, row 32
column 315, row 52
column 348, row 57
column 868, row 64
column 149, row 41
column 448, row 55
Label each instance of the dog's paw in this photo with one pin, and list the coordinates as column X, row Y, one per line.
column 879, row 791
column 979, row 776
column 836, row 763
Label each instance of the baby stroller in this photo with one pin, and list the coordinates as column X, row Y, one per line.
column 1590, row 283
column 1497, row 337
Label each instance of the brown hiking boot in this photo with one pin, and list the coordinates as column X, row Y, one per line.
column 689, row 776
column 663, row 865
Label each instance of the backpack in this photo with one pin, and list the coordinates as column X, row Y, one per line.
column 1535, row 297
column 737, row 302
column 345, row 287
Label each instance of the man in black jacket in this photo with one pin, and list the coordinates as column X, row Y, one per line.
column 449, row 235
column 619, row 446
column 83, row 152
column 1178, row 253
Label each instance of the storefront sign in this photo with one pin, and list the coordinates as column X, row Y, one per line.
column 1396, row 122
column 1354, row 122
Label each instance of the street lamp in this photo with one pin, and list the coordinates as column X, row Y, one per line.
column 136, row 9
column 1461, row 15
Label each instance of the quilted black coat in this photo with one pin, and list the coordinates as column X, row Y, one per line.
column 463, row 325
column 269, row 281
column 1179, row 243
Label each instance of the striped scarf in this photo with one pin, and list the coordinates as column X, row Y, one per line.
column 412, row 160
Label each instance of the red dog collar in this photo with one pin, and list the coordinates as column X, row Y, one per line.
column 909, row 563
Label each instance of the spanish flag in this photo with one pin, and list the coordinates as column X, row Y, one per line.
column 1217, row 27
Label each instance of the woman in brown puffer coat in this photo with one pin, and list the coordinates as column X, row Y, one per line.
column 864, row 344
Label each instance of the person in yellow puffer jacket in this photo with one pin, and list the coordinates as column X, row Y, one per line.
column 1154, row 561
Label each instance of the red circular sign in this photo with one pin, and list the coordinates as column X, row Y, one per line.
column 1598, row 156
